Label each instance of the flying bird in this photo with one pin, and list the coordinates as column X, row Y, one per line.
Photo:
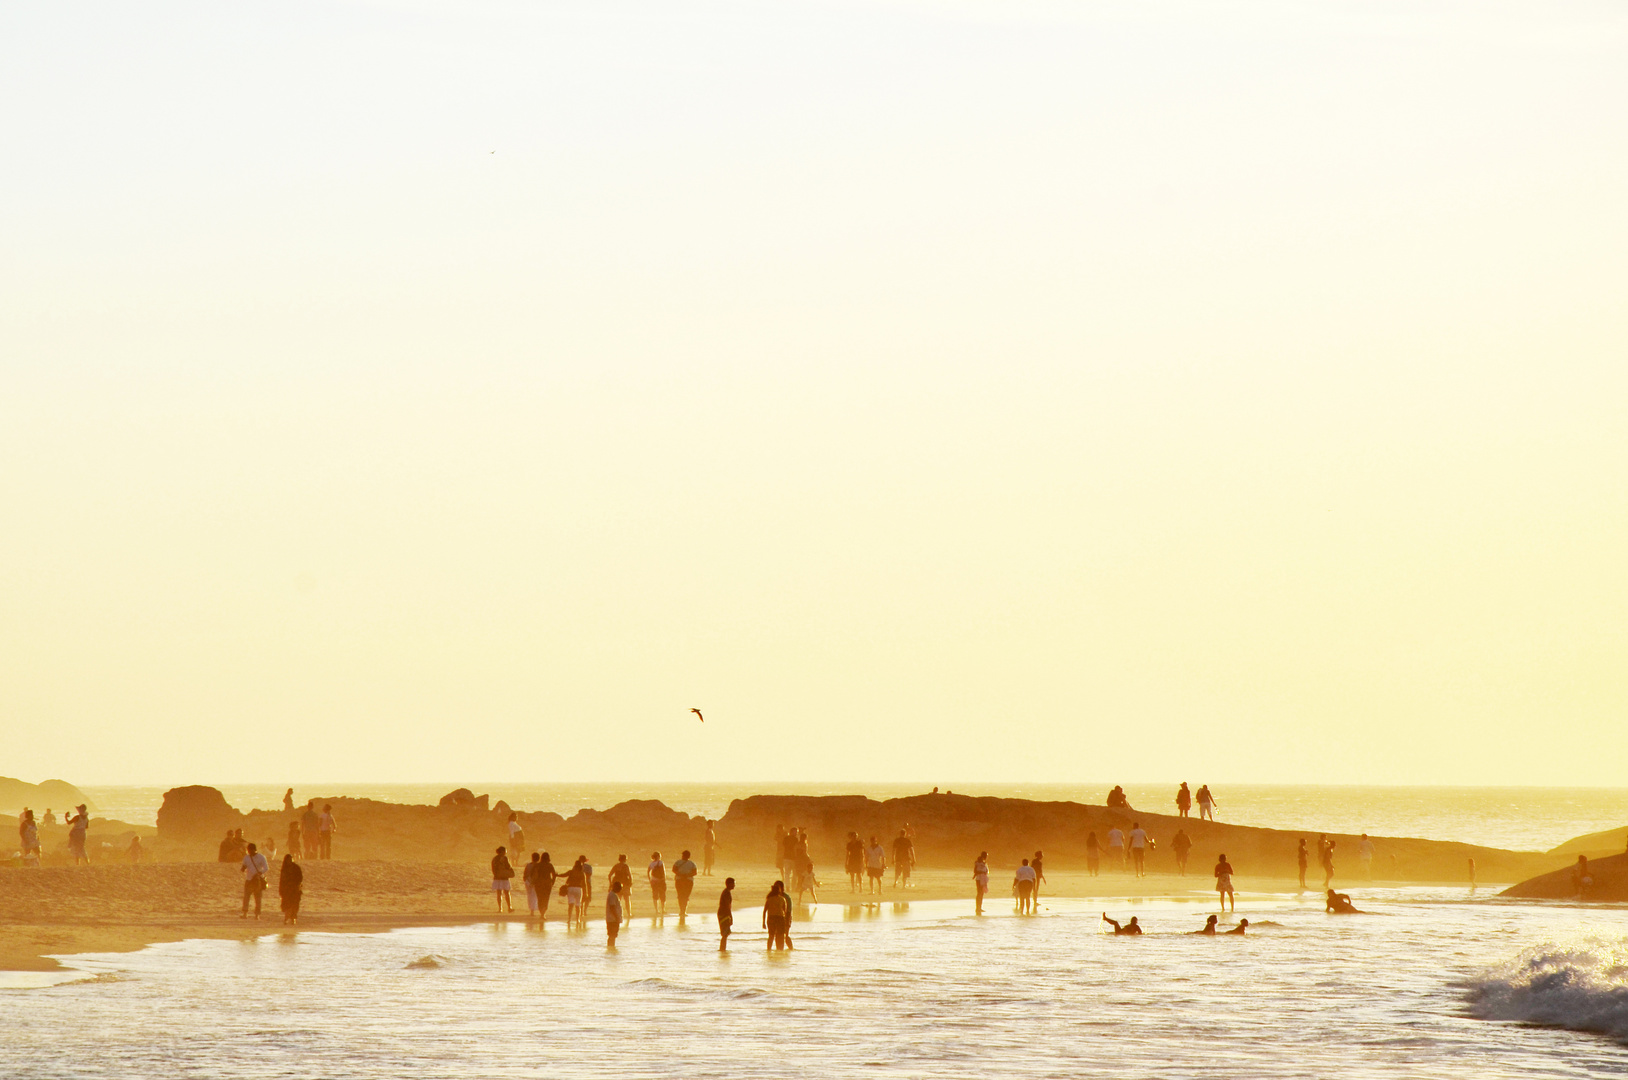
column 698, row 715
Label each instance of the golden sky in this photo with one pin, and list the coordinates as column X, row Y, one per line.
column 954, row 392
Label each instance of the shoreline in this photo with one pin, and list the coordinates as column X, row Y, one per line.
column 353, row 897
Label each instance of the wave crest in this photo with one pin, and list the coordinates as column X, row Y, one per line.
column 1580, row 985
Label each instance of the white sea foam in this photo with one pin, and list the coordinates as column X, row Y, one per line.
column 1579, row 984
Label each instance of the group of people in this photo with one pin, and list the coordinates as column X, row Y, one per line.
column 1128, row 850
column 867, row 861
column 1185, row 800
column 256, row 868
column 78, row 822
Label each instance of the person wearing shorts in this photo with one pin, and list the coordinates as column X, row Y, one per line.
column 502, row 874
column 875, row 864
column 684, row 871
column 574, row 893
column 656, row 872
column 980, row 880
column 1023, row 884
column 726, row 913
column 613, row 914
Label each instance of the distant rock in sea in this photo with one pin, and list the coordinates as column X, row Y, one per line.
column 58, row 795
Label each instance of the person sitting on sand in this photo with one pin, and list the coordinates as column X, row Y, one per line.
column 49, row 818
column 726, row 913
column 1339, row 903
column 290, row 889
column 502, row 874
column 1023, row 886
column 613, row 914
column 1243, row 925
column 1209, row 926
column 1132, row 927
column 1223, row 883
column 1581, row 879
column 1181, row 844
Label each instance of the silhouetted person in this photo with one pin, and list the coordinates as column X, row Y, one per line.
column 502, row 874
column 308, row 829
column 290, row 889
column 980, row 880
column 621, row 871
column 288, row 801
column 904, row 858
column 1581, row 879
column 1243, row 925
column 1181, row 845
column 575, row 892
column 1325, row 856
column 1365, row 856
column 726, row 913
column 777, row 916
column 544, row 879
column 77, row 826
column 517, row 835
column 1117, row 800
column 134, row 852
column 1038, row 865
column 1209, row 926
column 709, row 848
column 1206, row 803
column 875, row 864
column 326, row 827
column 613, row 914
column 780, row 849
column 1132, row 927
column 236, row 846
column 529, row 876
column 1339, row 903
column 1223, row 883
column 1116, row 849
column 1184, row 800
column 1138, row 844
column 295, row 844
column 1093, row 853
column 49, row 818
column 1472, row 871
column 225, row 852
column 684, row 871
column 255, row 870
column 587, row 891
column 1023, row 885
column 28, row 835
column 656, row 872
column 1301, row 860
column 853, row 862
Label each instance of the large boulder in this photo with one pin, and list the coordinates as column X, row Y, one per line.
column 59, row 795
column 1610, row 884
column 196, row 813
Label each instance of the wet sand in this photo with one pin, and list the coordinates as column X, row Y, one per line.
column 119, row 908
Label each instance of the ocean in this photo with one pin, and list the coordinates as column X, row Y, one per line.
column 1432, row 984
column 1521, row 818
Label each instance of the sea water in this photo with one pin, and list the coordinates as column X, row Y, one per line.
column 1432, row 984
column 1522, row 818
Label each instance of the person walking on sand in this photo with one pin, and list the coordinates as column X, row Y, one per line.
column 613, row 914
column 290, row 888
column 1038, row 865
column 1206, row 803
column 529, row 876
column 1184, row 800
column 656, row 872
column 544, row 879
column 1116, row 848
column 1365, row 856
column 980, row 881
column 502, row 874
column 726, row 913
column 255, row 870
column 853, row 862
column 517, row 835
column 308, row 828
column 875, row 865
column 621, row 871
column 1181, row 844
column 709, row 848
column 1023, row 885
column 575, row 885
column 288, row 801
column 76, row 835
column 28, row 834
column 777, row 916
column 684, row 871
column 326, row 827
column 1223, row 883
column 1093, row 853
column 1325, row 856
column 1301, row 860
column 903, row 859
column 1139, row 846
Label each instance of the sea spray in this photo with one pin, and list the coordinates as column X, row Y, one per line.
column 1579, row 984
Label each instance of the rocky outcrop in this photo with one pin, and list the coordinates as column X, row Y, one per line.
column 1596, row 845
column 952, row 829
column 1610, row 884
column 58, row 795
column 195, row 813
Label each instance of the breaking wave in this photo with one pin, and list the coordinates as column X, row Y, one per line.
column 1580, row 985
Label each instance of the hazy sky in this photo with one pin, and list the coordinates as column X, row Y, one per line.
column 940, row 391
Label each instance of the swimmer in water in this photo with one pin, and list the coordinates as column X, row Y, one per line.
column 1132, row 927
column 1243, row 925
column 1209, row 926
column 1339, row 903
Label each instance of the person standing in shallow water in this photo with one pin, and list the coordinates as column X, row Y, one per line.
column 656, row 872
column 502, row 874
column 709, row 848
column 621, row 871
column 1038, row 865
column 980, row 880
column 1325, row 856
column 1302, row 860
column 544, row 879
column 1023, row 886
column 290, row 888
column 613, row 914
column 777, row 916
column 726, row 913
column 1223, row 883
column 684, row 871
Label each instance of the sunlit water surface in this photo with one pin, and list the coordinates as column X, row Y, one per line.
column 923, row 990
